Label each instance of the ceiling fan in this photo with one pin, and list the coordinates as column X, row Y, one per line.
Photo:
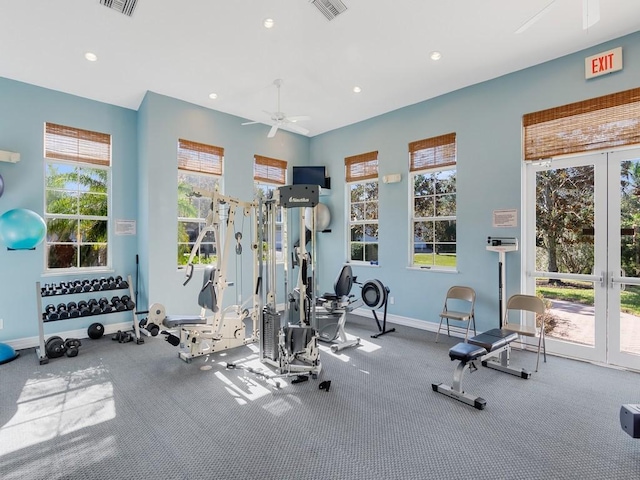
column 590, row 14
column 280, row 120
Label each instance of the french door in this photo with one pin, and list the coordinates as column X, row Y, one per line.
column 583, row 256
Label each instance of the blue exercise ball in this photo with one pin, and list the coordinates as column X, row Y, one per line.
column 7, row 353
column 22, row 229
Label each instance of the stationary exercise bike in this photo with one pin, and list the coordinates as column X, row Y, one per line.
column 337, row 305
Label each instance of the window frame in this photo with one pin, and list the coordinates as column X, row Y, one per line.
column 203, row 162
column 268, row 175
column 78, row 150
column 360, row 170
column 432, row 156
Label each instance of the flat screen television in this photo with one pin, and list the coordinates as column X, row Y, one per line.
column 310, row 176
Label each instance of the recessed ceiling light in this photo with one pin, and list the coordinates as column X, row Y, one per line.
column 435, row 55
column 213, row 96
column 356, row 89
column 92, row 57
column 268, row 23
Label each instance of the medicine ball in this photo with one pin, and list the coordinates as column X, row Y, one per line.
column 95, row 330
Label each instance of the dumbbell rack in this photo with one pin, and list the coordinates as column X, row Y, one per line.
column 41, row 350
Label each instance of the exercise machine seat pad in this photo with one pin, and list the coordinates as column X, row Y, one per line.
column 466, row 352
column 172, row 321
column 493, row 339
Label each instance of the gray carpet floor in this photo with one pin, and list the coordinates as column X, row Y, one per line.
column 126, row 411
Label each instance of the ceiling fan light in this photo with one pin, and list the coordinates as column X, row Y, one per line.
column 268, row 23
column 435, row 56
column 357, row 89
column 92, row 57
column 213, row 96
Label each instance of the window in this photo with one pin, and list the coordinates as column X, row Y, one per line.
column 268, row 175
column 77, row 185
column 362, row 182
column 432, row 163
column 199, row 168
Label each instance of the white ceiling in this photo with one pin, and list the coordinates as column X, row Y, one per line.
column 187, row 49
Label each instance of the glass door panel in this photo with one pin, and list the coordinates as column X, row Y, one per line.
column 624, row 258
column 570, row 251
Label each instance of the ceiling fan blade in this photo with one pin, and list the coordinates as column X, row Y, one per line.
column 299, row 118
column 590, row 13
column 296, row 128
column 536, row 17
column 272, row 132
column 249, row 123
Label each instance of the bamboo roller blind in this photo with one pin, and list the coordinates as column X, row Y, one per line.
column 361, row 167
column 199, row 157
column 270, row 170
column 596, row 124
column 432, row 152
column 77, row 145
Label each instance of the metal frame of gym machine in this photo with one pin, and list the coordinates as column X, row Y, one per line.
column 291, row 348
column 221, row 331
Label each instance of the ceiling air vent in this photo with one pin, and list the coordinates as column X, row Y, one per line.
column 330, row 8
column 122, row 6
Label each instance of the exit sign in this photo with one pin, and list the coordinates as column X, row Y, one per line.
column 603, row 63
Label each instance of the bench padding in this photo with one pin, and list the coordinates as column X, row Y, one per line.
column 466, row 352
column 481, row 345
column 494, row 339
column 173, row 321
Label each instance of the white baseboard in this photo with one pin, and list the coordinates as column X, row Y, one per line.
column 31, row 342
column 404, row 321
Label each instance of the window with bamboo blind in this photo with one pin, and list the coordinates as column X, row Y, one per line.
column 432, row 166
column 268, row 175
column 596, row 124
column 362, row 182
column 200, row 167
column 77, row 189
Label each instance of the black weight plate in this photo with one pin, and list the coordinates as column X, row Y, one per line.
column 55, row 347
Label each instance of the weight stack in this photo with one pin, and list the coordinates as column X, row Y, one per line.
column 630, row 419
column 269, row 335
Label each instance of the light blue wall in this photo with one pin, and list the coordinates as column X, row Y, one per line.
column 487, row 119
column 24, row 109
column 161, row 122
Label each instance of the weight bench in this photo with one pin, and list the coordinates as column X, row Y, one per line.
column 492, row 348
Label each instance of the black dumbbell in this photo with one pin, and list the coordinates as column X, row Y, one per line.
column 44, row 291
column 83, row 308
column 128, row 303
column 117, row 304
column 86, row 285
column 50, row 313
column 122, row 337
column 104, row 305
column 63, row 314
column 120, row 283
column 62, row 289
column 112, row 283
column 94, row 307
column 71, row 347
column 72, row 308
column 77, row 286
